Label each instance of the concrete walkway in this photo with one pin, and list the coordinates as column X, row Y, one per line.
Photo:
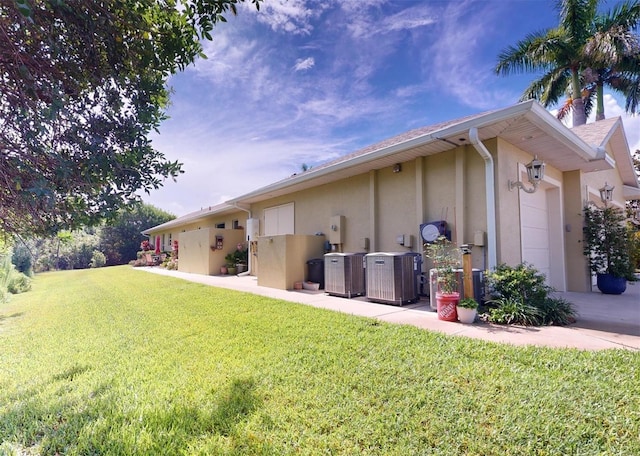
column 604, row 321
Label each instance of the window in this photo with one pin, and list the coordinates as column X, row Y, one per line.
column 279, row 220
column 235, row 224
column 220, row 226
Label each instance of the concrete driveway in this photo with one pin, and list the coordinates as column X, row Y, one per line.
column 604, row 321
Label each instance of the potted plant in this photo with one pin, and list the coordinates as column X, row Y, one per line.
column 467, row 310
column 230, row 259
column 445, row 257
column 241, row 256
column 605, row 238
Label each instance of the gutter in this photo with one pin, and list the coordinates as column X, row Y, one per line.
column 490, row 197
column 248, row 271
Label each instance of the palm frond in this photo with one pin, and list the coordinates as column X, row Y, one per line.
column 576, row 16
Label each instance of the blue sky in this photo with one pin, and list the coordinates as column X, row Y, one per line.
column 302, row 82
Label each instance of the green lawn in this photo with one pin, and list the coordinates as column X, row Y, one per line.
column 119, row 361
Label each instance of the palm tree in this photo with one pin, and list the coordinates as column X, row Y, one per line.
column 612, row 54
column 584, row 44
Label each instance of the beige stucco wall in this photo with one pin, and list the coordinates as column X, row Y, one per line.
column 209, row 222
column 282, row 260
column 381, row 205
column 577, row 265
column 196, row 255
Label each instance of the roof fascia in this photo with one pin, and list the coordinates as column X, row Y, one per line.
column 422, row 140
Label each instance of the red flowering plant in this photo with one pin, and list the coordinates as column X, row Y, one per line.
column 145, row 246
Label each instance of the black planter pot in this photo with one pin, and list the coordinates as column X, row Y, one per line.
column 610, row 284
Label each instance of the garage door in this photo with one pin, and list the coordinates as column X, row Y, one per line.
column 534, row 226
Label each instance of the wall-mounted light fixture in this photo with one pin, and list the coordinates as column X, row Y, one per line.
column 535, row 173
column 606, row 193
column 397, row 168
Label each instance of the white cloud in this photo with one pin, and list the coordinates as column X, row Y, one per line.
column 455, row 61
column 615, row 108
column 305, row 64
column 289, row 16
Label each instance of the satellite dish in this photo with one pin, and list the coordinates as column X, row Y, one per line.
column 430, row 231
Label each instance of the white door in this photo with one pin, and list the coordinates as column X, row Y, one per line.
column 534, row 226
column 542, row 236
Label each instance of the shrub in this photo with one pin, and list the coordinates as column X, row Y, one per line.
column 557, row 311
column 18, row 283
column 22, row 259
column 519, row 295
column 98, row 259
column 520, row 282
column 513, row 311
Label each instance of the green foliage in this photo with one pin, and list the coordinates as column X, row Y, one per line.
column 18, row 283
column 520, row 296
column 556, row 311
column 633, row 234
column 172, row 367
column 83, row 85
column 6, row 269
column 468, row 303
column 587, row 50
column 522, row 282
column 22, row 258
column 513, row 311
column 606, row 241
column 446, row 257
column 11, row 280
column 121, row 236
column 98, row 259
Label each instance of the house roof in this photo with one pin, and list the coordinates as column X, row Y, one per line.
column 196, row 216
column 609, row 134
column 529, row 126
column 526, row 125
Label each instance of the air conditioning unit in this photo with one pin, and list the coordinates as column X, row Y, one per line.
column 392, row 278
column 344, row 274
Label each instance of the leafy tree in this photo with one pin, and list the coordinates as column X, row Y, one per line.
column 22, row 259
column 120, row 238
column 82, row 84
column 584, row 52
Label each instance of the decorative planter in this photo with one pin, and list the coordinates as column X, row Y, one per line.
column 313, row 286
column 610, row 284
column 241, row 267
column 231, row 270
column 466, row 315
column 297, row 285
column 447, row 306
column 223, row 270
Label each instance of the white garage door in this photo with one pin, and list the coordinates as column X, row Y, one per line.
column 534, row 225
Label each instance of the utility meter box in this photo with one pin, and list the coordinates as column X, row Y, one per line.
column 336, row 229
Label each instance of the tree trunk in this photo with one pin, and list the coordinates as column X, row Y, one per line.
column 579, row 116
column 600, row 101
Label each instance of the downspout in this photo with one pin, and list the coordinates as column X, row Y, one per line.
column 248, row 271
column 490, row 197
